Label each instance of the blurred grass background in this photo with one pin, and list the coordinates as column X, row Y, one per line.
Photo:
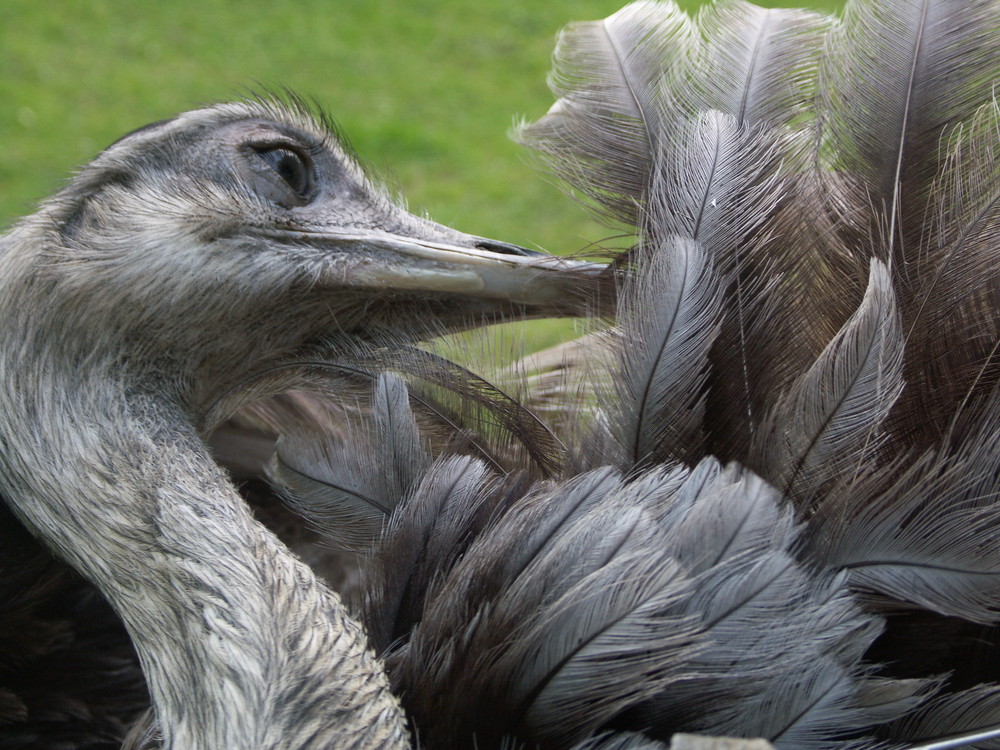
column 426, row 90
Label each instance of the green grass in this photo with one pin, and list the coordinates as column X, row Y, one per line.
column 426, row 90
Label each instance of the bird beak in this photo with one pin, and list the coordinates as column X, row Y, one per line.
column 484, row 269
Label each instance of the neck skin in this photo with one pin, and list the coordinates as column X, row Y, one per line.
column 241, row 645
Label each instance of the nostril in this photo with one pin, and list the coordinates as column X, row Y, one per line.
column 504, row 248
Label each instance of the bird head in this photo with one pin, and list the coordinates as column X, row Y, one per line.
column 229, row 237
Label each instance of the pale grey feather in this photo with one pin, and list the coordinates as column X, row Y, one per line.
column 603, row 132
column 797, row 679
column 758, row 65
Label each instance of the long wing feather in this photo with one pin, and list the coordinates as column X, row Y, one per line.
column 897, row 73
column 952, row 330
column 716, row 183
column 616, row 624
column 423, row 538
column 723, row 185
column 830, row 421
column 668, row 319
column 759, row 65
column 601, row 134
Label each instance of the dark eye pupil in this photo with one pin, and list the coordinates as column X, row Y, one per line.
column 290, row 166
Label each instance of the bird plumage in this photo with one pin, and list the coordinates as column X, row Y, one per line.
column 193, row 264
column 766, row 505
column 802, row 375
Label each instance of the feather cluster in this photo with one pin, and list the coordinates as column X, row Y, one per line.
column 766, row 501
column 774, row 511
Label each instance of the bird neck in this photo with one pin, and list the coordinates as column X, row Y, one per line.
column 241, row 645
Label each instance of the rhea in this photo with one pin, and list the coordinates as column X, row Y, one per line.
column 187, row 256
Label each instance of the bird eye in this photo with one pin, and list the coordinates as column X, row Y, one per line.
column 292, row 166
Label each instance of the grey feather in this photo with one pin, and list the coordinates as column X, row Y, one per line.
column 525, row 589
column 668, row 320
column 966, row 719
column 897, row 74
column 602, row 133
column 923, row 530
column 716, row 182
column 830, row 422
column 954, row 283
column 735, row 541
column 719, row 183
column 758, row 65
column 423, row 539
column 347, row 487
